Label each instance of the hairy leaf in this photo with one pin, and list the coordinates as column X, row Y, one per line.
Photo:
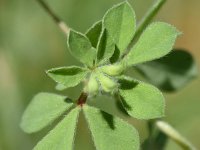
column 172, row 72
column 156, row 41
column 106, row 47
column 121, row 24
column 110, row 132
column 81, row 48
column 116, row 55
column 141, row 100
column 68, row 76
column 62, row 136
column 43, row 110
column 94, row 33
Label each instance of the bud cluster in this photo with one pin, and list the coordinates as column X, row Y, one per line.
column 103, row 79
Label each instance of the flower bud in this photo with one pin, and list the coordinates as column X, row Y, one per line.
column 107, row 84
column 113, row 70
column 92, row 86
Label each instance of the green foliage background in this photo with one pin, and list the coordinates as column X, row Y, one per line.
column 31, row 43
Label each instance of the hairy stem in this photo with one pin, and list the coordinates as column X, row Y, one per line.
column 144, row 22
column 64, row 28
column 149, row 16
column 174, row 135
column 147, row 19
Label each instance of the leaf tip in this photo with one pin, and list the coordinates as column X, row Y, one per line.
column 48, row 71
column 25, row 127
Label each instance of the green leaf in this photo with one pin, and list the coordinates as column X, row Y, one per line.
column 141, row 100
column 121, row 24
column 156, row 41
column 116, row 55
column 172, row 72
column 106, row 47
column 81, row 48
column 94, row 33
column 62, row 136
column 68, row 76
column 43, row 110
column 110, row 132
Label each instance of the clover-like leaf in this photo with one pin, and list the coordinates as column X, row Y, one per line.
column 106, row 47
column 110, row 132
column 81, row 48
column 43, row 110
column 62, row 136
column 94, row 33
column 121, row 24
column 68, row 76
column 156, row 41
column 102, row 41
column 172, row 72
column 141, row 100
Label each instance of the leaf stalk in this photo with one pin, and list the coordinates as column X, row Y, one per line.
column 64, row 28
column 148, row 17
column 174, row 135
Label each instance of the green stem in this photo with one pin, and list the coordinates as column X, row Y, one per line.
column 148, row 18
column 64, row 28
column 174, row 135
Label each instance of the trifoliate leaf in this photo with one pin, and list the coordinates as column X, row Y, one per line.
column 141, row 100
column 172, row 72
column 106, row 47
column 110, row 132
column 81, row 48
column 43, row 110
column 121, row 24
column 68, row 76
column 94, row 33
column 156, row 41
column 62, row 136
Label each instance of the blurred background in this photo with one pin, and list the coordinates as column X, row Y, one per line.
column 31, row 43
